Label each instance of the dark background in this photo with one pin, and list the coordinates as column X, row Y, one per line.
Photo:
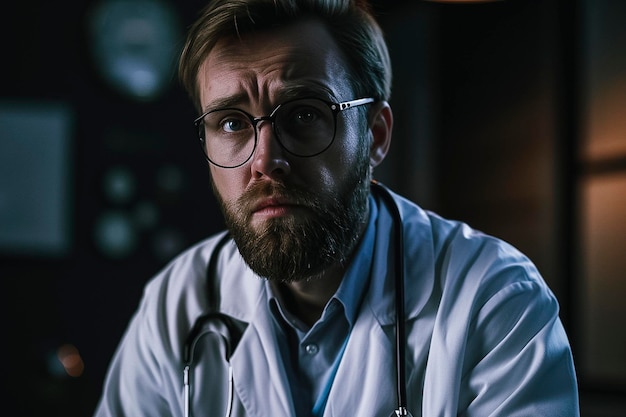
column 491, row 103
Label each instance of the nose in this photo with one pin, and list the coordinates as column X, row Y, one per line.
column 269, row 158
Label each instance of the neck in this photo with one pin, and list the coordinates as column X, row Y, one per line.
column 306, row 299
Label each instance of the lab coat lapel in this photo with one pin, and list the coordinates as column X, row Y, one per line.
column 365, row 381
column 366, row 378
column 419, row 263
column 259, row 373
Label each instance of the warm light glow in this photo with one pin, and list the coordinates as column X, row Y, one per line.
column 71, row 360
column 604, row 267
column 606, row 123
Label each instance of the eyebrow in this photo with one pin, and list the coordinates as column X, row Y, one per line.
column 225, row 102
column 288, row 92
column 307, row 89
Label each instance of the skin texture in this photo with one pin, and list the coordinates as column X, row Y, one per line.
column 276, row 197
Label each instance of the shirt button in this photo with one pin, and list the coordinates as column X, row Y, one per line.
column 311, row 349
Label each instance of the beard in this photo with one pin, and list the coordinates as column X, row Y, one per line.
column 298, row 247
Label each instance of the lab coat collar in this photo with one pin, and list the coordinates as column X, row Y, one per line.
column 419, row 262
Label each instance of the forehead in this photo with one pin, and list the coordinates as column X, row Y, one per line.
column 275, row 64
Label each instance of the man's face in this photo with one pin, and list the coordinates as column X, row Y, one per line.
column 291, row 217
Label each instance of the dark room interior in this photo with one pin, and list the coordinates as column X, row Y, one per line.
column 509, row 115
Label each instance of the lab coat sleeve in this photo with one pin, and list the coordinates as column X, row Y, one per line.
column 145, row 377
column 498, row 348
column 134, row 383
column 518, row 361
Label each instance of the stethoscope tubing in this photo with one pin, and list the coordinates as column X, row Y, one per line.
column 231, row 391
column 187, row 392
column 399, row 289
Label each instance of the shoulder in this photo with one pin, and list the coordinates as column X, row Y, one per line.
column 185, row 274
column 480, row 276
column 482, row 261
column 177, row 295
column 463, row 261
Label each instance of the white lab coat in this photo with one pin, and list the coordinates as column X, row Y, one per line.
column 483, row 336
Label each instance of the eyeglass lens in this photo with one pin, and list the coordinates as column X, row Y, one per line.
column 304, row 127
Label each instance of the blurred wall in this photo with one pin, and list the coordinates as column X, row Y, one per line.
column 92, row 85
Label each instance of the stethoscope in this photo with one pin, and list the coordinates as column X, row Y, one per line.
column 231, row 331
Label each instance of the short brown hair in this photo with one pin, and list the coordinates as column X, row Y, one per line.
column 350, row 22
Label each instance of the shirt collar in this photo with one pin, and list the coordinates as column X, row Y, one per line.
column 355, row 281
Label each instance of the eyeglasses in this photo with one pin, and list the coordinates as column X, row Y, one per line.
column 304, row 127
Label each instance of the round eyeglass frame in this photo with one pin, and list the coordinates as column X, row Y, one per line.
column 334, row 107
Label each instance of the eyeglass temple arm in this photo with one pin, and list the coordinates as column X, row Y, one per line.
column 354, row 103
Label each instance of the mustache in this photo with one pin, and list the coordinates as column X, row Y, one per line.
column 293, row 194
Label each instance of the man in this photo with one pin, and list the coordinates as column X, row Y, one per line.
column 296, row 314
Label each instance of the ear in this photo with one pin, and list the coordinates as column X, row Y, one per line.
column 381, row 124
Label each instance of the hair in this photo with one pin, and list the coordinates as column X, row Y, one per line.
column 350, row 23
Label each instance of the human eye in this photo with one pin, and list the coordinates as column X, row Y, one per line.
column 234, row 123
column 305, row 113
column 225, row 122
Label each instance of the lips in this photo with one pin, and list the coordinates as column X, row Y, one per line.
column 269, row 200
column 270, row 203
